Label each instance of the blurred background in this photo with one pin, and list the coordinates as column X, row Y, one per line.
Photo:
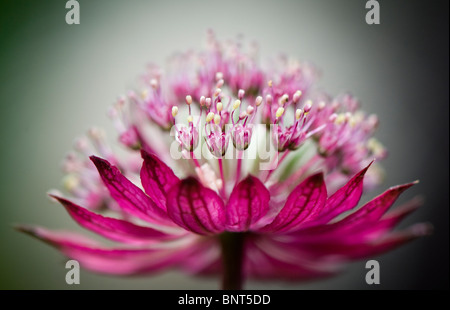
column 57, row 80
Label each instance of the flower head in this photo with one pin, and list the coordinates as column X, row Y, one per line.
column 229, row 215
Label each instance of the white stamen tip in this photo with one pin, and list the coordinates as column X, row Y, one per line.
column 321, row 105
column 209, row 117
column 208, row 102
column 250, row 110
column 236, row 104
column 174, row 111
column 298, row 113
column 219, row 76
column 258, row 101
column 219, row 106
column 202, row 101
column 280, row 112
column 241, row 94
column 190, row 119
column 154, row 83
column 188, row 99
column 217, row 119
column 217, row 92
column 297, row 96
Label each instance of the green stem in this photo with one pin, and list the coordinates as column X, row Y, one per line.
column 232, row 256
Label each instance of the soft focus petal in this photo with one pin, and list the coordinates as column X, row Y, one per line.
column 346, row 198
column 115, row 229
column 355, row 248
column 130, row 198
column 248, row 203
column 267, row 260
column 304, row 203
column 157, row 178
column 195, row 207
column 106, row 260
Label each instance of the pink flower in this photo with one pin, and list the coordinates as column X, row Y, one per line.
column 176, row 208
column 188, row 223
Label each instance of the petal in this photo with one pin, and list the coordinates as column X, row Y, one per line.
column 157, row 178
column 114, row 229
column 374, row 209
column 106, row 260
column 266, row 260
column 355, row 248
column 195, row 207
column 248, row 203
column 129, row 197
column 346, row 198
column 302, row 205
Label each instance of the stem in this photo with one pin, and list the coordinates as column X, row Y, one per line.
column 232, row 257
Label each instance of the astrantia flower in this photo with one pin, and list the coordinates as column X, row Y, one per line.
column 290, row 212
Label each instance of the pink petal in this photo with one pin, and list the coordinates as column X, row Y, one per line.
column 130, row 198
column 248, row 203
column 195, row 207
column 348, row 248
column 105, row 260
column 304, row 203
column 346, row 198
column 374, row 209
column 264, row 261
column 111, row 228
column 157, row 178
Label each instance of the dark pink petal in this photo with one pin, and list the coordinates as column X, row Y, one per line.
column 374, row 209
column 304, row 203
column 248, row 203
column 111, row 228
column 129, row 197
column 195, row 207
column 157, row 178
column 346, row 198
column 110, row 261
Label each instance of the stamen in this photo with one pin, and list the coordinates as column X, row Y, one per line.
column 188, row 100
column 217, row 119
column 258, row 101
column 236, row 104
column 280, row 112
column 219, row 106
column 210, row 117
column 202, row 101
column 297, row 95
column 241, row 94
column 154, row 83
column 174, row 111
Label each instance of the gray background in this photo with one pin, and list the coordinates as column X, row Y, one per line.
column 57, row 80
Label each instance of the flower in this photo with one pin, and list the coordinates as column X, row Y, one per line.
column 184, row 197
column 186, row 222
